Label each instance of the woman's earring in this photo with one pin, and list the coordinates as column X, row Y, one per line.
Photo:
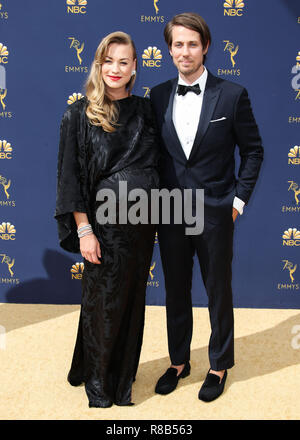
column 133, row 72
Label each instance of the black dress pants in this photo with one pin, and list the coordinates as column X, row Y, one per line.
column 214, row 251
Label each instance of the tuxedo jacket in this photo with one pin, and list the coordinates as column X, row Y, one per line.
column 226, row 121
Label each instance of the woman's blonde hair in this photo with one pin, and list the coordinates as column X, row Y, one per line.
column 101, row 110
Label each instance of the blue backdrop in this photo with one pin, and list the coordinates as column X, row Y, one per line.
column 46, row 48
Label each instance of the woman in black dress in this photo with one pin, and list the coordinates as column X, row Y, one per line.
column 106, row 137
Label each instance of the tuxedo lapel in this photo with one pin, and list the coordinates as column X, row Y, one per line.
column 174, row 147
column 210, row 98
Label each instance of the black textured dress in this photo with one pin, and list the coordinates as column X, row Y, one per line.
column 111, row 321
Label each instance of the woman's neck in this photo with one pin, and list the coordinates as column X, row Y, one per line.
column 115, row 94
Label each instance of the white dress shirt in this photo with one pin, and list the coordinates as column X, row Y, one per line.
column 186, row 115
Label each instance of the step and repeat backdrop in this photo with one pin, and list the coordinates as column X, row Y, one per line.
column 46, row 48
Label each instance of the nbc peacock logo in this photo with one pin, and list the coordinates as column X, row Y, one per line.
column 7, row 231
column 233, row 8
column 74, row 97
column 152, row 57
column 294, row 155
column 76, row 6
column 291, row 237
column 77, row 270
column 5, row 150
column 3, row 54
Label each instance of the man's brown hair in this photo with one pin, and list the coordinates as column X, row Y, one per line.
column 189, row 20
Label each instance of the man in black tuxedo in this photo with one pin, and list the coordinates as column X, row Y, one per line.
column 201, row 119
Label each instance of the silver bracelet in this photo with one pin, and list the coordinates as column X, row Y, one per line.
column 84, row 230
column 84, row 227
column 83, row 234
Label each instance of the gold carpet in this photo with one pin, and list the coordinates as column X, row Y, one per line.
column 36, row 347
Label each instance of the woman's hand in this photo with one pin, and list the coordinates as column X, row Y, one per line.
column 90, row 248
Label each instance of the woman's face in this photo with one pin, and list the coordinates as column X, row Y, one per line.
column 118, row 66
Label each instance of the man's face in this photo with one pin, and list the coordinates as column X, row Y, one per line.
column 187, row 52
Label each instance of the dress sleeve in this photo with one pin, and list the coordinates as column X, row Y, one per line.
column 150, row 135
column 69, row 182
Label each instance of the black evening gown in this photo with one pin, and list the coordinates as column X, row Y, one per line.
column 111, row 323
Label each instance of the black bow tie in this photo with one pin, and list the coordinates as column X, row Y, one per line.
column 182, row 90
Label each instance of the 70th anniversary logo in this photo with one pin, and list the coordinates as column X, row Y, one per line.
column 290, row 283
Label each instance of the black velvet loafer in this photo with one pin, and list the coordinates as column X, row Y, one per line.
column 168, row 381
column 212, row 387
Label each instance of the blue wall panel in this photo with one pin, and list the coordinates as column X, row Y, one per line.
column 42, row 71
